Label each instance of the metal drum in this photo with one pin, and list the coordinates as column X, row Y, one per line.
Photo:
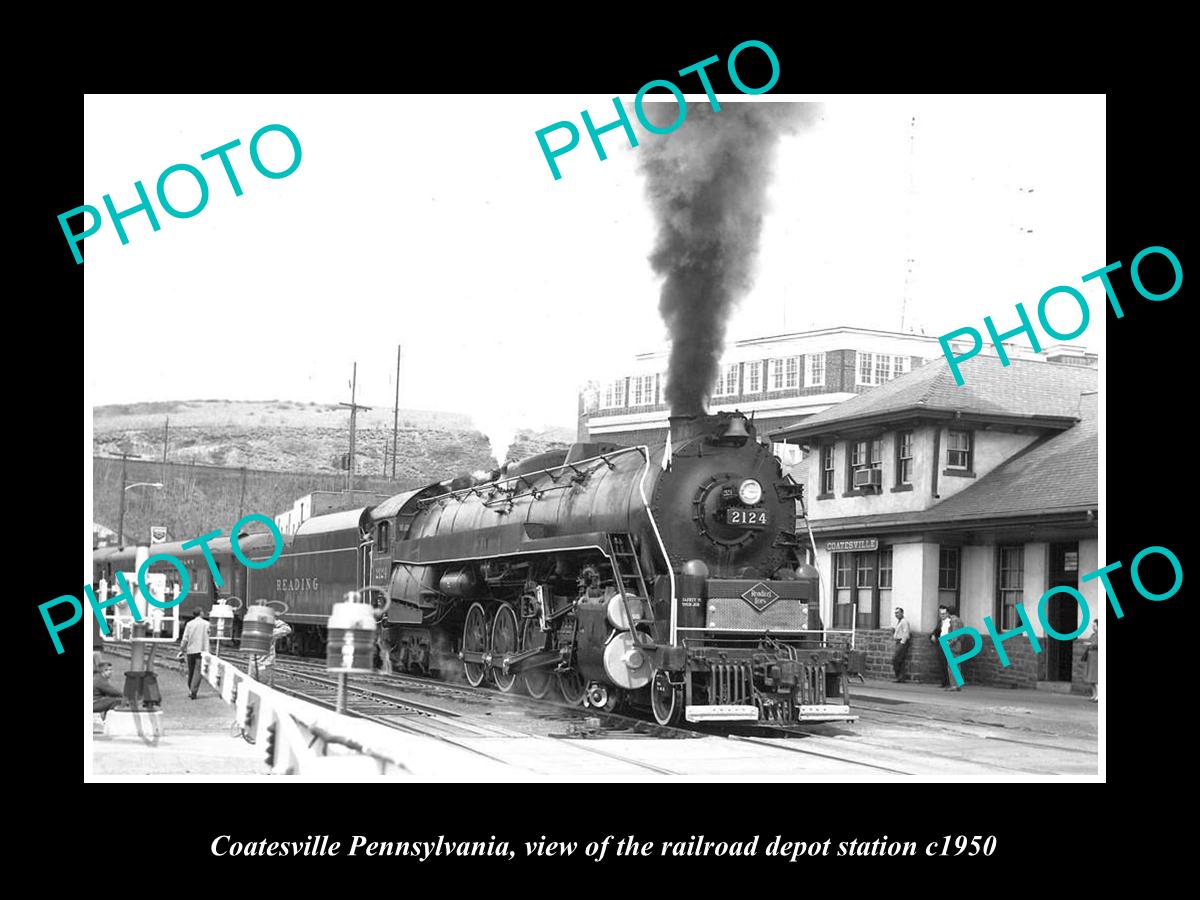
column 221, row 619
column 351, row 646
column 257, row 627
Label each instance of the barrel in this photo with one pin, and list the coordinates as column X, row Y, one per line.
column 351, row 645
column 221, row 619
column 257, row 628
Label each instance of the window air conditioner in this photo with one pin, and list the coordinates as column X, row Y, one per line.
column 868, row 478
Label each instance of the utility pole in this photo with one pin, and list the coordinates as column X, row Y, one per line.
column 909, row 262
column 121, row 514
column 354, row 408
column 242, row 499
column 396, row 415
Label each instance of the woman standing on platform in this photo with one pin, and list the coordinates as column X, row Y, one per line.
column 1091, row 656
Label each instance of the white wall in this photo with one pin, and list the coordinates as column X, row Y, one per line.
column 977, row 597
column 1037, row 558
column 1093, row 591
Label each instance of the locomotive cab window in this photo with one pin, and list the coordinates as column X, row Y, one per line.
column 381, row 537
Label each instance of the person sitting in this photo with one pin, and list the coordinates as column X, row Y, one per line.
column 105, row 694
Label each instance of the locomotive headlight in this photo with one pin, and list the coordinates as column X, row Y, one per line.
column 750, row 492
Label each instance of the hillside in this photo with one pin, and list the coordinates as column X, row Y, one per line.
column 283, row 435
column 288, row 448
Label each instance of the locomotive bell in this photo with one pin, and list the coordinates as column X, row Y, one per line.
column 736, row 428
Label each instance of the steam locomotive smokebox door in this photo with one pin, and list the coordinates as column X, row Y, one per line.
column 690, row 590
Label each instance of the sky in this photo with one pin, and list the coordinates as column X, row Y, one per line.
column 435, row 223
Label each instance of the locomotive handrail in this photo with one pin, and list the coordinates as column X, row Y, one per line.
column 644, row 449
column 525, row 476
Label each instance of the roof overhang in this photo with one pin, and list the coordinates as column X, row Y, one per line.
column 840, row 428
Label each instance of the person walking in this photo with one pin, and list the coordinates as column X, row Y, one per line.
column 281, row 630
column 902, row 639
column 947, row 623
column 194, row 642
column 1091, row 656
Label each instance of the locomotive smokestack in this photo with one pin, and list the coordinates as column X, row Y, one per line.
column 707, row 185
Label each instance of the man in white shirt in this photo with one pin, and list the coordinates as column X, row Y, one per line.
column 902, row 637
column 194, row 642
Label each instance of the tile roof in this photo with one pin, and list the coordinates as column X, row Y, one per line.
column 1058, row 474
column 1024, row 389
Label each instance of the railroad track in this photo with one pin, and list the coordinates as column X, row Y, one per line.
column 424, row 705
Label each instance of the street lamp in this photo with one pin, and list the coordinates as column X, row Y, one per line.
column 121, row 517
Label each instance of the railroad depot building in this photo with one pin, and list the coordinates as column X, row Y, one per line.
column 922, row 492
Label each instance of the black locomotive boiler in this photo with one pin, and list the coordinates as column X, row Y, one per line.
column 664, row 575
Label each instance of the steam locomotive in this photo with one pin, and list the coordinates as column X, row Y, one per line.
column 665, row 576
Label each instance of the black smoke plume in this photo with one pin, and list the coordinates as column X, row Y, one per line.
column 707, row 184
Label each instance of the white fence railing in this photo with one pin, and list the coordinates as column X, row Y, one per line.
column 298, row 738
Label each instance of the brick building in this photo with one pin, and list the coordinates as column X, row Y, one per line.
column 780, row 379
column 922, row 492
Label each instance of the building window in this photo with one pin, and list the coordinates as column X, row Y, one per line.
column 727, row 381
column 1010, row 584
column 864, row 571
column 827, row 469
column 885, row 568
column 883, row 368
column 866, row 454
column 614, row 394
column 865, row 361
column 641, row 390
column 879, row 368
column 753, row 378
column 783, row 374
column 948, row 568
column 958, row 451
column 904, row 458
column 842, row 564
column 814, row 374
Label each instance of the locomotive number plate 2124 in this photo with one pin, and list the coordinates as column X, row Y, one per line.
column 751, row 517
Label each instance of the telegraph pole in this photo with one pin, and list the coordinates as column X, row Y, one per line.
column 242, row 498
column 354, row 408
column 396, row 415
column 121, row 514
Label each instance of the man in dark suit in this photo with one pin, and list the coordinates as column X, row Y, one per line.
column 947, row 622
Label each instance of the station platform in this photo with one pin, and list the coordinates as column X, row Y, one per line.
column 1065, row 714
column 197, row 738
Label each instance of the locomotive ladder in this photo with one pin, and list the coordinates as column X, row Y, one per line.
column 628, row 572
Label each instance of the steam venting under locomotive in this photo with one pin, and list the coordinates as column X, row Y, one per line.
column 663, row 575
